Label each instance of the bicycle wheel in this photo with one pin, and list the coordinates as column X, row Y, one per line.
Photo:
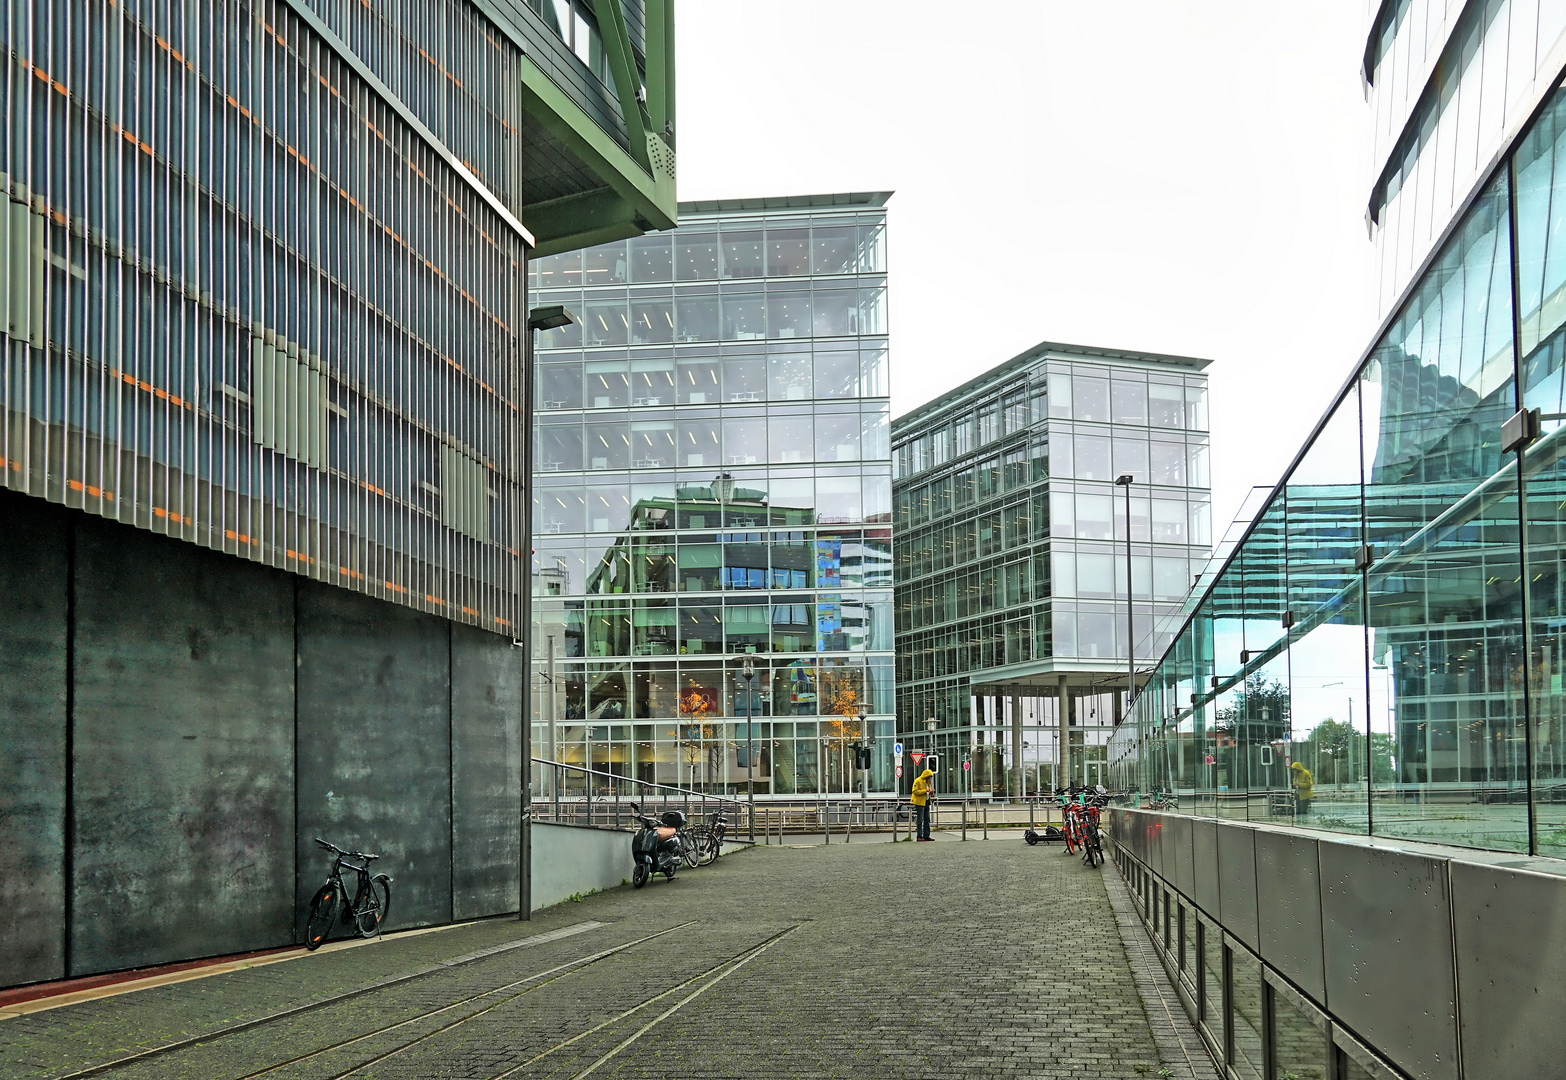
column 1069, row 831
column 639, row 876
column 377, row 902
column 690, row 849
column 323, row 913
column 708, row 851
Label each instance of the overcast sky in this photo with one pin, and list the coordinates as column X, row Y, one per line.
column 1182, row 177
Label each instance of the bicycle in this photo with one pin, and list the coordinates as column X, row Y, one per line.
column 710, row 840
column 370, row 904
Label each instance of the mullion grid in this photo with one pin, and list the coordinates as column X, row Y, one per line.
column 141, row 445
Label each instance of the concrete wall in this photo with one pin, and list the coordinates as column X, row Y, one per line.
column 176, row 725
column 571, row 859
column 1390, row 942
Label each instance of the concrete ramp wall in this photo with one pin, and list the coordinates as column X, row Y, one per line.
column 570, row 859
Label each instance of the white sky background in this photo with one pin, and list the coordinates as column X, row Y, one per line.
column 1181, row 176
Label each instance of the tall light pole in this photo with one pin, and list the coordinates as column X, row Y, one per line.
column 1124, row 481
column 748, row 676
column 859, row 763
column 540, row 318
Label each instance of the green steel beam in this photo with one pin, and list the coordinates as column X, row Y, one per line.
column 577, row 221
column 627, row 80
column 648, row 192
column 660, row 67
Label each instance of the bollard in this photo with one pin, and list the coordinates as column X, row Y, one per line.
column 895, row 818
column 826, row 824
column 965, row 819
column 986, row 812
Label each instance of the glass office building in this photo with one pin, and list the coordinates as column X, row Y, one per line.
column 1011, row 555
column 713, row 488
column 1392, row 618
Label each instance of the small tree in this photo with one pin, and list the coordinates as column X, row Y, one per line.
column 1332, row 739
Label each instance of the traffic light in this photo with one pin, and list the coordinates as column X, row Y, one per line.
column 864, row 757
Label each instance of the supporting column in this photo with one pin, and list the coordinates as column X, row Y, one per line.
column 1063, row 696
column 1016, row 745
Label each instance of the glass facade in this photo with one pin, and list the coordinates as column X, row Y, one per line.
column 713, row 486
column 1011, row 551
column 249, row 301
column 1391, row 622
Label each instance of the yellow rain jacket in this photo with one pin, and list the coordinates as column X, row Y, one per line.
column 1304, row 786
column 921, row 788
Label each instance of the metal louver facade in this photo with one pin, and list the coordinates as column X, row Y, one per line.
column 257, row 300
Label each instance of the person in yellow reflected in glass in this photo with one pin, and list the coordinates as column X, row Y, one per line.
column 920, row 797
column 1304, row 788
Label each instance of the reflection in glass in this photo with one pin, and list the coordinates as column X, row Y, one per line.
column 695, row 256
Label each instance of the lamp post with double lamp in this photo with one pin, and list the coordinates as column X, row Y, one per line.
column 540, row 318
column 747, row 676
column 1124, row 481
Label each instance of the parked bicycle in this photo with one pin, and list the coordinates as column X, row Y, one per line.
column 366, row 912
column 1080, row 823
column 709, row 841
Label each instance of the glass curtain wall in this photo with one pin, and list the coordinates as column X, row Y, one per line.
column 1382, row 653
column 713, row 486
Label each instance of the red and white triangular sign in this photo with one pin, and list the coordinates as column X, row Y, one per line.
column 917, row 755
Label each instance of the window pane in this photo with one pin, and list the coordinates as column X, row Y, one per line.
column 652, row 257
column 695, row 256
column 742, row 253
column 788, row 252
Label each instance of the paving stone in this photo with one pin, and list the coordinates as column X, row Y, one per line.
column 985, row 959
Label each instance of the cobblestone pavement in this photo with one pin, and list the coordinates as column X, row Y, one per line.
column 870, row 960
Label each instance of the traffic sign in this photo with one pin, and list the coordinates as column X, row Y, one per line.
column 897, row 748
column 917, row 755
column 899, row 772
column 1211, row 759
column 967, row 765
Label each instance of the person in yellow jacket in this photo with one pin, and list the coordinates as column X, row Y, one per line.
column 922, row 790
column 1304, row 788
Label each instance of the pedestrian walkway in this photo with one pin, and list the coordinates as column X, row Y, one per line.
column 868, row 960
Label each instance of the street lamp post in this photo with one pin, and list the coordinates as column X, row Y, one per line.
column 1124, row 481
column 748, row 676
column 540, row 318
column 864, row 773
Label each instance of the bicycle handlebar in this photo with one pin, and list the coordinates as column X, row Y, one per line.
column 347, row 854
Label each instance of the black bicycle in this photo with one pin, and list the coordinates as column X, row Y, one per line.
column 365, row 913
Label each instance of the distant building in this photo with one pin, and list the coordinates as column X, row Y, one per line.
column 713, row 485
column 1010, row 537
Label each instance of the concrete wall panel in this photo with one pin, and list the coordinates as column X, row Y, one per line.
column 486, row 772
column 569, row 860
column 1204, row 864
column 1288, row 908
column 183, row 752
column 1237, row 882
column 375, row 746
column 1387, row 935
column 1511, row 965
column 32, row 739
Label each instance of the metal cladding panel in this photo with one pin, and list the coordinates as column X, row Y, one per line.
column 374, row 735
column 1387, row 932
column 1511, row 965
column 32, row 740
column 1288, row 908
column 1153, row 829
column 486, row 773
column 1177, row 852
column 1237, row 882
column 258, row 190
column 1204, row 864
column 183, row 752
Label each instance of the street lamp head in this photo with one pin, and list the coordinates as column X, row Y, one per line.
column 929, row 725
column 549, row 318
column 748, row 670
column 1123, row 480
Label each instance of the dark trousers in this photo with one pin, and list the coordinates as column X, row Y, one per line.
column 922, row 821
column 1301, row 806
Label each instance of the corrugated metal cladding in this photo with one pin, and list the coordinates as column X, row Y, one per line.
column 247, row 304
